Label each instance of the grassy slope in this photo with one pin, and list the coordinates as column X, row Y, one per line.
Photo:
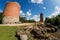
column 7, row 33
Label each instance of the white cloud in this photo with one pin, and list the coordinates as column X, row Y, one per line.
column 56, row 12
column 36, row 17
column 44, row 7
column 37, row 1
column 29, row 13
column 1, row 11
column 22, row 13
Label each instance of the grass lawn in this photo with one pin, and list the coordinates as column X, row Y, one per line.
column 7, row 33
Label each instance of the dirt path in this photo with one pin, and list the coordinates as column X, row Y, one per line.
column 22, row 24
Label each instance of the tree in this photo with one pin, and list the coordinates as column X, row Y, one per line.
column 30, row 21
column 57, row 21
column 1, row 17
column 48, row 20
column 54, row 21
column 22, row 19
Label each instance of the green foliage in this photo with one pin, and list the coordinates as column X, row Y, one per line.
column 24, row 20
column 48, row 20
column 30, row 21
column 54, row 21
column 1, row 17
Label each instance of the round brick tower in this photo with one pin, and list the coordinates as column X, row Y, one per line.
column 41, row 17
column 11, row 13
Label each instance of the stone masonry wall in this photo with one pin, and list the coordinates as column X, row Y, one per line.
column 10, row 20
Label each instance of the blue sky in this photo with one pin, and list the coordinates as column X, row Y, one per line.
column 32, row 8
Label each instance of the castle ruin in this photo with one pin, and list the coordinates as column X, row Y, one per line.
column 11, row 13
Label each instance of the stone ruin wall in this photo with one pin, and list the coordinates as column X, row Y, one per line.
column 10, row 20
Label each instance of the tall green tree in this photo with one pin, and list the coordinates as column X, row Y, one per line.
column 1, row 17
column 54, row 21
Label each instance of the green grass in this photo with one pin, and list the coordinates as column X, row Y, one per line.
column 8, row 33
